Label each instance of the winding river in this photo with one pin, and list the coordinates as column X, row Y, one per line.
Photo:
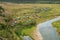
column 47, row 31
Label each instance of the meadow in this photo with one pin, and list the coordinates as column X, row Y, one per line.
column 26, row 17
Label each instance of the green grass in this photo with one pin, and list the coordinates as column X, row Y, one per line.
column 28, row 31
column 57, row 25
column 24, row 31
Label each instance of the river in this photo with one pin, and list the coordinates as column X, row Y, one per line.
column 47, row 31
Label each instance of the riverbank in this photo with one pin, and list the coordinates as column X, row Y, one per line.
column 36, row 35
column 56, row 25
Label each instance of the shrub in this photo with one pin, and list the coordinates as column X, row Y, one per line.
column 2, row 26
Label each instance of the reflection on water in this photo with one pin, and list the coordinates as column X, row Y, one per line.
column 47, row 31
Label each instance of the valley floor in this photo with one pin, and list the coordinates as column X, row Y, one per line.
column 27, row 16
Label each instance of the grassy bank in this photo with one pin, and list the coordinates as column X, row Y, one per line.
column 28, row 16
column 57, row 26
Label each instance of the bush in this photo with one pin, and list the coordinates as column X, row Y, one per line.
column 2, row 26
column 1, row 9
column 29, row 22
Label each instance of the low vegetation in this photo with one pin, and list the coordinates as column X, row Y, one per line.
column 57, row 26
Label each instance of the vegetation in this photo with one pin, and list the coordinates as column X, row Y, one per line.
column 57, row 26
column 5, row 32
column 21, row 19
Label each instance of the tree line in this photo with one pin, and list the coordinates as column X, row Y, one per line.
column 31, row 1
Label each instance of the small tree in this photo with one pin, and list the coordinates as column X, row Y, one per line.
column 1, row 11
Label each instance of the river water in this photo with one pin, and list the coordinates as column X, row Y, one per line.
column 47, row 31
column 26, row 38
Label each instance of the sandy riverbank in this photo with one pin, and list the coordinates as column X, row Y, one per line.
column 37, row 35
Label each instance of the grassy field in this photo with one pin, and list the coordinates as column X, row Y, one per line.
column 29, row 16
column 57, row 25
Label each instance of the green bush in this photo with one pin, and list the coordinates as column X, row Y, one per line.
column 2, row 26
